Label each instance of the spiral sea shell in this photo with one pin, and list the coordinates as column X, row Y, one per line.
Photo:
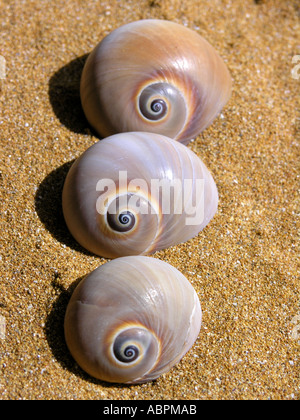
column 132, row 319
column 135, row 193
column 154, row 76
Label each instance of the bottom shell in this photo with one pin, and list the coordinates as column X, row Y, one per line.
column 132, row 319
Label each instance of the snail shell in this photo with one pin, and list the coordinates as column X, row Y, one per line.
column 135, row 193
column 132, row 319
column 155, row 76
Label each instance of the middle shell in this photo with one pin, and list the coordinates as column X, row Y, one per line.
column 136, row 193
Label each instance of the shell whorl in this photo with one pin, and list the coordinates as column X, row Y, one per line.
column 135, row 193
column 154, row 76
column 132, row 319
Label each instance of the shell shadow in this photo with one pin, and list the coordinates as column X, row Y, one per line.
column 64, row 95
column 48, row 205
column 54, row 332
column 54, row 325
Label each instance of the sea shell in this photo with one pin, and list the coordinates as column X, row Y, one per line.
column 154, row 76
column 135, row 193
column 132, row 319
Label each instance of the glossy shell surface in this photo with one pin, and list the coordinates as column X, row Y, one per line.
column 132, row 319
column 154, row 76
column 136, row 193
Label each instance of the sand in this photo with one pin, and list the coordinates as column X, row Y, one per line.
column 243, row 266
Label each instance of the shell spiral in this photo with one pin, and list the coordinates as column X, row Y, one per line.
column 136, row 193
column 154, row 76
column 132, row 319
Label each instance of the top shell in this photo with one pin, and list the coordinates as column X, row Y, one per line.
column 155, row 76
